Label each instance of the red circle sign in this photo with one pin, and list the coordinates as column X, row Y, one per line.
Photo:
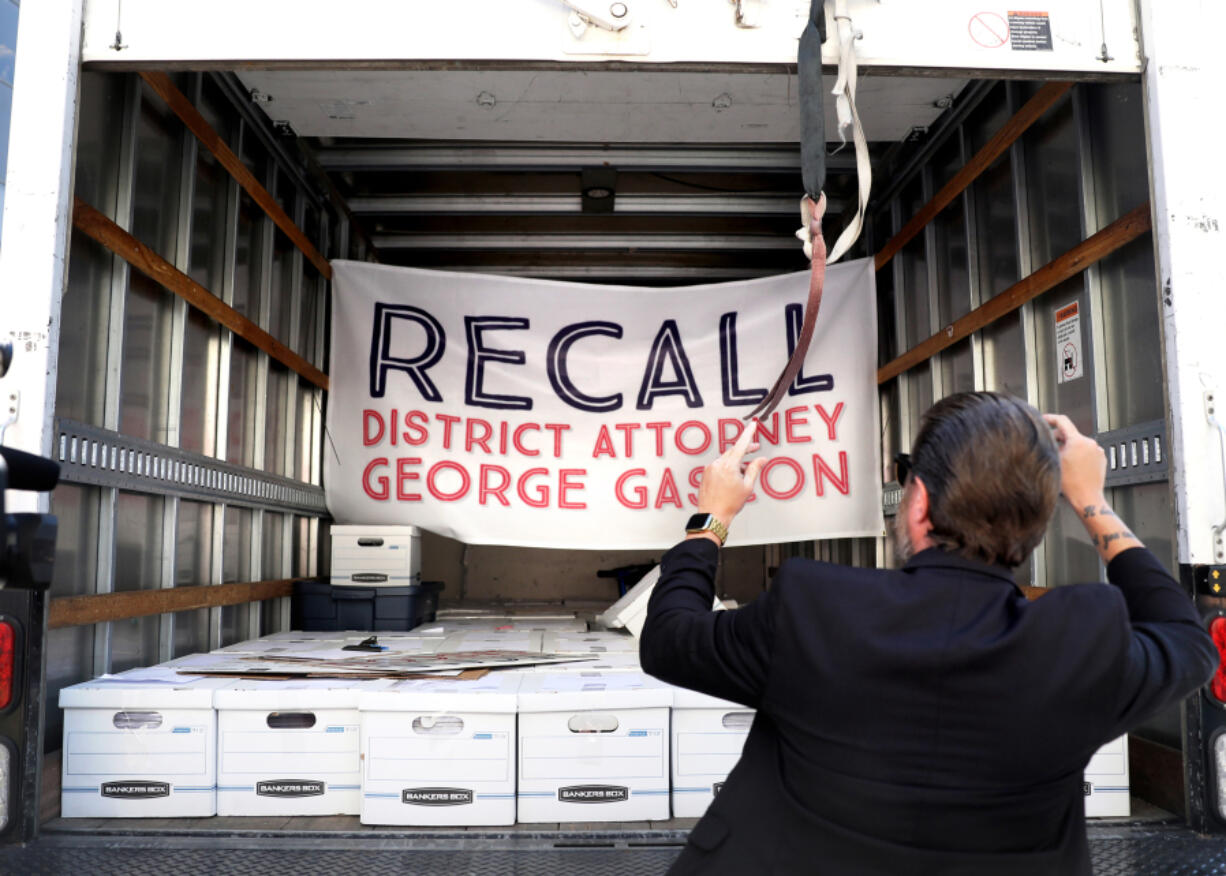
column 988, row 30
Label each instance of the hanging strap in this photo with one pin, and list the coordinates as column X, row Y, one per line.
column 813, row 170
column 817, row 278
column 849, row 117
column 813, row 205
column 812, row 110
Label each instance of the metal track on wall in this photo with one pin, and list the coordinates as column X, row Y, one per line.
column 99, row 457
column 1136, row 454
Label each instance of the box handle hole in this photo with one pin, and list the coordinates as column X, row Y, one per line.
column 438, row 725
column 370, row 541
column 137, row 720
column 738, row 720
column 592, row 722
column 291, row 720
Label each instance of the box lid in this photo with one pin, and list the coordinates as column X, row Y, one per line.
column 403, row 531
column 634, row 602
column 614, row 661
column 580, row 691
column 683, row 698
column 620, row 614
column 495, row 692
column 479, row 640
column 595, row 642
column 302, row 694
column 145, row 692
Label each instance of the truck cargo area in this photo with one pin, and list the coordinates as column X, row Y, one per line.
column 210, row 193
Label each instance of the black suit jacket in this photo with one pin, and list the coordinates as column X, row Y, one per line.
column 927, row 720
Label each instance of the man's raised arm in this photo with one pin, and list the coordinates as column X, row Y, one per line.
column 1170, row 653
column 725, row 653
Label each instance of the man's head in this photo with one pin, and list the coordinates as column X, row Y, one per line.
column 984, row 480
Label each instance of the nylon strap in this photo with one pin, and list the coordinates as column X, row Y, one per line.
column 817, row 279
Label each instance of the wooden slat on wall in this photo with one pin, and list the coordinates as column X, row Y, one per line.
column 97, row 226
column 1030, row 112
column 75, row 611
column 212, row 141
column 1122, row 231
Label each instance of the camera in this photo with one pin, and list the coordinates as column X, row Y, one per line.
column 27, row 541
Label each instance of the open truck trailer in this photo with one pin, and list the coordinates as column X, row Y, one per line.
column 181, row 174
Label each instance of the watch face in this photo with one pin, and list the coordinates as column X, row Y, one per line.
column 698, row 521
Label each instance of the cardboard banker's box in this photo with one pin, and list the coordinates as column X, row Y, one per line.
column 593, row 747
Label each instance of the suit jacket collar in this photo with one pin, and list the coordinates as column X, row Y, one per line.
column 936, row 558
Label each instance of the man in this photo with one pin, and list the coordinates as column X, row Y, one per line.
column 927, row 720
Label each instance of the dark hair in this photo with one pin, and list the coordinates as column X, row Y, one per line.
column 992, row 472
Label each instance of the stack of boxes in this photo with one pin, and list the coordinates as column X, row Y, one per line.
column 587, row 741
column 596, row 740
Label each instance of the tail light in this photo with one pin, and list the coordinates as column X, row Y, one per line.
column 8, row 657
column 1217, row 685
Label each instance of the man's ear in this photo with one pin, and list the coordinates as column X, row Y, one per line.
column 918, row 522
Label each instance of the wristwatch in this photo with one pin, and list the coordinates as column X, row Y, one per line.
column 707, row 523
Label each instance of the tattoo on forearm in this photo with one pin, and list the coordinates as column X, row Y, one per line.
column 1114, row 536
column 1101, row 511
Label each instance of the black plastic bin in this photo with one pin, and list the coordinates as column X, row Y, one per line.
column 428, row 604
column 319, row 606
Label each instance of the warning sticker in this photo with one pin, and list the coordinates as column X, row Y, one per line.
column 1068, row 343
column 1030, row 31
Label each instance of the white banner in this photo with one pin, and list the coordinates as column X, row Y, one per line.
column 498, row 410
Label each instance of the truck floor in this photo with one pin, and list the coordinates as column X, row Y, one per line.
column 1151, row 842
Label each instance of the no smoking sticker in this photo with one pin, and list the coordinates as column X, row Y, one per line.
column 988, row 29
column 1069, row 348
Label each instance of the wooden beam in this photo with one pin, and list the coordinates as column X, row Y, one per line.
column 76, row 611
column 97, row 226
column 212, row 141
column 980, row 161
column 1122, row 231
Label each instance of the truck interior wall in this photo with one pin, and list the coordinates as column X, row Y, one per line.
column 491, row 572
column 136, row 360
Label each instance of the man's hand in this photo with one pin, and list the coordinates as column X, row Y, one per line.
column 1083, row 472
column 727, row 482
column 1083, row 464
